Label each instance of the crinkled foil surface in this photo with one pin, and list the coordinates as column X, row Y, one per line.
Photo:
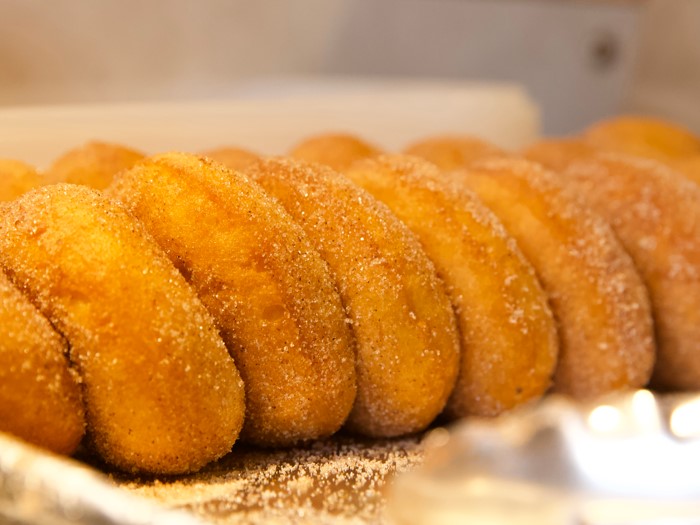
column 633, row 459
column 38, row 488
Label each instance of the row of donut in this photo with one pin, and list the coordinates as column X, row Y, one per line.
column 282, row 298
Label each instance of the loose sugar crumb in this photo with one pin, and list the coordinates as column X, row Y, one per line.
column 342, row 480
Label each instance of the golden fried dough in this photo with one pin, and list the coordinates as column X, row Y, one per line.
column 232, row 158
column 161, row 393
column 94, row 164
column 407, row 344
column 336, row 150
column 40, row 399
column 509, row 340
column 269, row 291
column 16, row 178
column 689, row 167
column 643, row 136
column 449, row 152
column 595, row 292
column 656, row 214
column 557, row 154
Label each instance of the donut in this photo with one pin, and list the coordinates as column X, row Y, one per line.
column 40, row 399
column 161, row 393
column 449, row 152
column 16, row 178
column 557, row 154
column 643, row 136
column 269, row 291
column 509, row 342
column 596, row 295
column 93, row 164
column 407, row 344
column 335, row 150
column 689, row 167
column 233, row 158
column 655, row 212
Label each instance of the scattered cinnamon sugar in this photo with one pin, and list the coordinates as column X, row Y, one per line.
column 342, row 480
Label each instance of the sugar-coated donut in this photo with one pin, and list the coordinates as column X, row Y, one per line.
column 655, row 212
column 40, row 399
column 161, row 393
column 509, row 340
column 596, row 294
column 232, row 157
column 270, row 292
column 407, row 344
column 16, row 178
column 93, row 164
column 449, row 152
column 643, row 136
column 336, row 150
column 557, row 154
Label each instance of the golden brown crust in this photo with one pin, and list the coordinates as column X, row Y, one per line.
column 656, row 214
column 335, row 150
column 405, row 329
column 269, row 291
column 40, row 399
column 595, row 292
column 93, row 164
column 161, row 393
column 509, row 340
column 16, row 178
column 557, row 154
column 643, row 136
column 237, row 159
column 689, row 167
column 151, row 355
column 450, row 152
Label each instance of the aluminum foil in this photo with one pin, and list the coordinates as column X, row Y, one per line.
column 37, row 488
column 633, row 459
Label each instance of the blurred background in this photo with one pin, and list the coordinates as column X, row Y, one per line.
column 579, row 60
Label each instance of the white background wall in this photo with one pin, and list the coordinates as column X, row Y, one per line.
column 666, row 80
column 578, row 59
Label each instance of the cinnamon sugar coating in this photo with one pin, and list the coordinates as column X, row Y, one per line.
column 407, row 345
column 93, row 164
column 643, row 136
column 40, row 398
column 231, row 157
column 335, row 150
column 161, row 393
column 450, row 152
column 269, row 291
column 655, row 212
column 508, row 338
column 597, row 296
column 16, row 178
